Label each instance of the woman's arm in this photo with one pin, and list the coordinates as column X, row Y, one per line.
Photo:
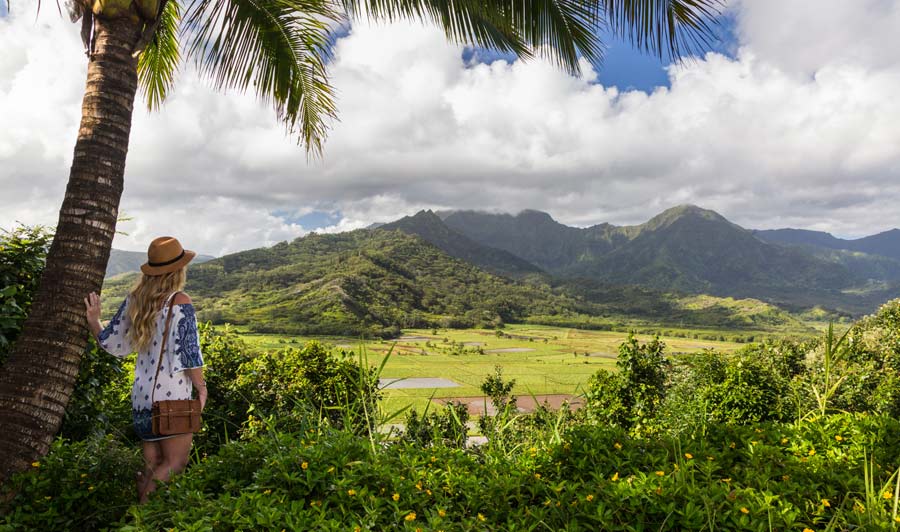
column 114, row 337
column 196, row 376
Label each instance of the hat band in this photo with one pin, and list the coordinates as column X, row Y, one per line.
column 166, row 263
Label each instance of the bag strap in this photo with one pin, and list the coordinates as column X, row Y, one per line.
column 162, row 347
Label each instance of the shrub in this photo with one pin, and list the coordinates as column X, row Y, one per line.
column 631, row 397
column 312, row 380
column 22, row 254
column 447, row 427
column 81, row 485
column 101, row 401
column 708, row 388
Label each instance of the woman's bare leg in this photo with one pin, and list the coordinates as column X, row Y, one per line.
column 175, row 456
column 152, row 459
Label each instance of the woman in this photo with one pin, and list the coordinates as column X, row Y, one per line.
column 139, row 326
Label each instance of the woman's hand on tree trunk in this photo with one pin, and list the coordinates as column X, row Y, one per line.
column 92, row 310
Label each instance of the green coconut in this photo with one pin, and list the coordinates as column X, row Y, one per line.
column 111, row 8
column 148, row 9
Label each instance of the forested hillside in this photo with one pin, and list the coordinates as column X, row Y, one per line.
column 377, row 282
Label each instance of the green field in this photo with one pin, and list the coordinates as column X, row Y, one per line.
column 558, row 360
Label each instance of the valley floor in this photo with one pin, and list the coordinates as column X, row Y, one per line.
column 542, row 360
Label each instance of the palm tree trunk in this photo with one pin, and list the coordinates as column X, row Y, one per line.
column 39, row 375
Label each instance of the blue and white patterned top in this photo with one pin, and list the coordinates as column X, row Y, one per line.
column 182, row 352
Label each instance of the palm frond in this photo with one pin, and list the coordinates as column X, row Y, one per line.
column 464, row 21
column 158, row 62
column 663, row 27
column 280, row 47
column 560, row 30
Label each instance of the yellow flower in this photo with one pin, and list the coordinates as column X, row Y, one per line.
column 411, row 516
column 351, row 492
column 396, row 497
column 442, row 513
column 660, row 473
column 267, row 492
column 304, row 466
column 811, row 452
column 35, row 464
column 537, row 476
column 617, row 445
column 808, row 530
column 83, row 475
column 785, row 477
column 419, row 485
column 433, row 459
column 90, row 488
column 897, row 519
column 859, row 507
column 428, row 492
column 839, row 438
column 357, row 529
column 887, row 495
column 726, row 480
column 744, row 510
column 732, row 445
column 589, row 498
column 689, row 456
column 784, row 441
column 331, row 469
column 826, row 503
column 710, row 458
column 615, row 477
column 48, row 497
column 480, row 517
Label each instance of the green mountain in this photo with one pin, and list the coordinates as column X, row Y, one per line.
column 376, row 282
column 685, row 248
column 130, row 261
column 431, row 228
column 695, row 250
column 689, row 249
column 885, row 244
column 536, row 237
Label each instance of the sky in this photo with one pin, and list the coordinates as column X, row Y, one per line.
column 790, row 120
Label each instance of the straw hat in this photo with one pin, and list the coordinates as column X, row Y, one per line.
column 165, row 255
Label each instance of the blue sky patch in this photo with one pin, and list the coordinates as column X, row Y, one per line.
column 625, row 67
column 311, row 220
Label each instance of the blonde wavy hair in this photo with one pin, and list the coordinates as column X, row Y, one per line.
column 146, row 299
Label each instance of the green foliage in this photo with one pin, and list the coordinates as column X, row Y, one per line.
column 831, row 472
column 447, row 427
column 710, row 388
column 22, row 253
column 101, row 401
column 499, row 390
column 310, row 381
column 868, row 364
column 79, row 485
column 227, row 408
column 631, row 397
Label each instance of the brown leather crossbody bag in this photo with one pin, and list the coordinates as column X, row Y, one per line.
column 173, row 416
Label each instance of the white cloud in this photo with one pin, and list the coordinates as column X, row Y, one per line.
column 796, row 130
